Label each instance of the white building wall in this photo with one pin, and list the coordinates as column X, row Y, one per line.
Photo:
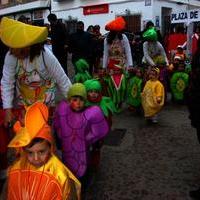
column 158, row 5
column 74, row 9
column 25, row 7
column 116, row 8
column 66, row 5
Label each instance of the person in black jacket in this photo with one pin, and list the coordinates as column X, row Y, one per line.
column 193, row 102
column 81, row 45
column 59, row 39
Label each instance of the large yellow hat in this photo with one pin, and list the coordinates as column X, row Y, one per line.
column 16, row 34
column 35, row 125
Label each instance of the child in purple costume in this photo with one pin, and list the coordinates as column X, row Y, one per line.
column 77, row 128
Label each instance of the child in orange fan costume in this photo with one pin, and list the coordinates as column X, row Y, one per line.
column 38, row 174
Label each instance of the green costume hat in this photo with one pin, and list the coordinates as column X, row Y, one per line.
column 77, row 89
column 92, row 84
column 150, row 34
column 82, row 71
column 81, row 65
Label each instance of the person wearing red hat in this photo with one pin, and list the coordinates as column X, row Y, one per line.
column 116, row 59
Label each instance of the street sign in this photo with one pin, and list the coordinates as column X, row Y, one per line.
column 185, row 16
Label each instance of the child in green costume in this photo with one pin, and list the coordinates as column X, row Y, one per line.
column 81, row 70
column 179, row 81
column 134, row 89
column 94, row 97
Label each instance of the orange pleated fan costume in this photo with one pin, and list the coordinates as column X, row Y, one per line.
column 53, row 180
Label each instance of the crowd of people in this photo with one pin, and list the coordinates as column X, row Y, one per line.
column 110, row 70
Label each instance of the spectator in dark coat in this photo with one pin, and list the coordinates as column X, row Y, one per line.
column 193, row 101
column 59, row 39
column 81, row 45
column 193, row 92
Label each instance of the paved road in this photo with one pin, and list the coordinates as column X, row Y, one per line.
column 153, row 162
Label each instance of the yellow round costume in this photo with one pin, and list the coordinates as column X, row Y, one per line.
column 152, row 90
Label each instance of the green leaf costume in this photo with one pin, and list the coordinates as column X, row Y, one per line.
column 134, row 91
column 106, row 104
column 117, row 94
column 82, row 71
column 178, row 83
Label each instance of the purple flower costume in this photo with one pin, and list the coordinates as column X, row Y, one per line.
column 77, row 131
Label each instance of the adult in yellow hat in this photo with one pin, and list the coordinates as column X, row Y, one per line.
column 38, row 173
column 117, row 57
column 30, row 72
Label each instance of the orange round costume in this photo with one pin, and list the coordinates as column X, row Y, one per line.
column 51, row 181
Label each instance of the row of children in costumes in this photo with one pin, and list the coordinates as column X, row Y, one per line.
column 80, row 127
column 29, row 76
column 135, row 81
column 36, row 70
column 132, row 89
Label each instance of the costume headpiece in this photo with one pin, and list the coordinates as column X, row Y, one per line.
column 77, row 89
column 150, row 34
column 179, row 47
column 81, row 65
column 156, row 69
column 16, row 34
column 117, row 24
column 92, row 84
column 35, row 126
column 178, row 57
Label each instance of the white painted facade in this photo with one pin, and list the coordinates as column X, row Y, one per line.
column 66, row 9
column 27, row 9
column 74, row 9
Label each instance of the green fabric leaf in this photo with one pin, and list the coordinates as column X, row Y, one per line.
column 134, row 91
column 178, row 84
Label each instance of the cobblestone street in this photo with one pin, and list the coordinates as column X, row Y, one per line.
column 153, row 162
